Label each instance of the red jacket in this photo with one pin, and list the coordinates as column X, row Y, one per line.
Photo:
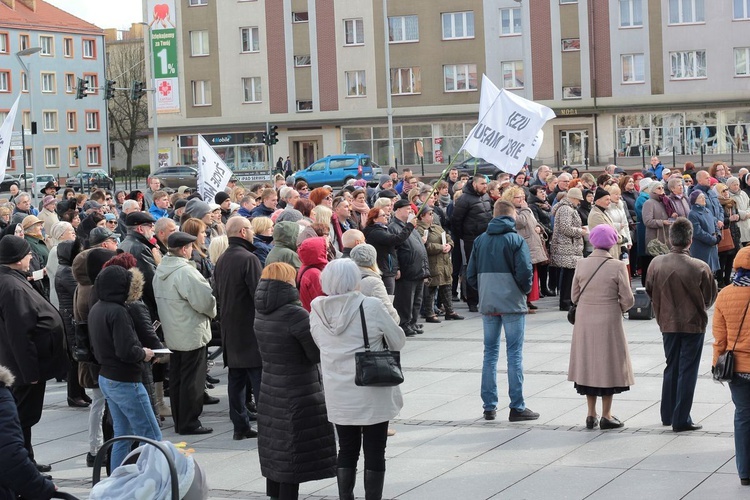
column 313, row 255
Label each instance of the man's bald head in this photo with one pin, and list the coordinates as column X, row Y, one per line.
column 352, row 237
column 235, row 225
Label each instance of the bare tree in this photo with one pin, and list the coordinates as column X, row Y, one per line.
column 128, row 120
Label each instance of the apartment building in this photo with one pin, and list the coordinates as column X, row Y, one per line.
column 625, row 77
column 57, row 48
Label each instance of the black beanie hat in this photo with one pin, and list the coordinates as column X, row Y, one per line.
column 95, row 261
column 13, row 249
column 600, row 193
column 221, row 197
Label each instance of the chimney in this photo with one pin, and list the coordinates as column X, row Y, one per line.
column 10, row 3
column 31, row 4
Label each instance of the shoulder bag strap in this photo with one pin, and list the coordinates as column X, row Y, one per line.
column 364, row 326
column 591, row 278
column 744, row 315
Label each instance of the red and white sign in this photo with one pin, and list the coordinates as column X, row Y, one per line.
column 167, row 99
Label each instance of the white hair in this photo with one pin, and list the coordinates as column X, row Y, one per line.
column 732, row 180
column 340, row 276
column 22, row 194
column 129, row 204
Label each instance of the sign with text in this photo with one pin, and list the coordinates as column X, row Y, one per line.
column 213, row 173
column 6, row 134
column 509, row 128
column 164, row 53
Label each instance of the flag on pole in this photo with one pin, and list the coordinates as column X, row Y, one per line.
column 6, row 131
column 213, row 173
column 509, row 128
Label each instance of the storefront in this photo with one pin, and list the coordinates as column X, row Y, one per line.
column 244, row 153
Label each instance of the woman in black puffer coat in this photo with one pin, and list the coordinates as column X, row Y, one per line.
column 295, row 440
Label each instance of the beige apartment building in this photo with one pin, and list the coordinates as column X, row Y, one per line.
column 626, row 78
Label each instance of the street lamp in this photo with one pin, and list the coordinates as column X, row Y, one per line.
column 27, row 52
column 153, row 89
column 523, row 46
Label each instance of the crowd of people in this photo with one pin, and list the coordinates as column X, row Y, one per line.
column 121, row 294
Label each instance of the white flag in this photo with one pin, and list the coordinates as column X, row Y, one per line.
column 213, row 174
column 6, row 131
column 509, row 128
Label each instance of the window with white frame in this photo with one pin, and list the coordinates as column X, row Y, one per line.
column 48, row 82
column 510, row 21
column 94, row 155
column 93, row 83
column 26, row 120
column 89, row 48
column 201, row 92
column 571, row 92
column 406, row 80
column 460, row 77
column 512, row 74
column 24, row 42
column 70, row 83
column 741, row 9
column 568, row 1
column 631, row 15
column 356, row 86
column 458, row 25
column 199, row 43
column 304, row 106
column 688, row 64
column 302, row 61
column 49, row 120
column 24, row 82
column 251, row 89
column 51, row 157
column 300, row 17
column 354, row 32
column 3, row 116
column 92, row 121
column 571, row 44
column 71, row 121
column 686, row 11
column 742, row 61
column 4, row 43
column 250, row 39
column 47, row 44
column 73, row 156
column 195, row 3
column 4, row 81
column 633, row 68
column 67, row 47
column 403, row 29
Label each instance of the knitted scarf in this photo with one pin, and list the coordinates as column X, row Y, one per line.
column 741, row 277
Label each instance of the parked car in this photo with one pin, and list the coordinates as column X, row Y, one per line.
column 41, row 181
column 7, row 181
column 336, row 170
column 482, row 167
column 178, row 175
column 93, row 179
column 29, row 177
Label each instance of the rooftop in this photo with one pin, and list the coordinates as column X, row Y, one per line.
column 37, row 15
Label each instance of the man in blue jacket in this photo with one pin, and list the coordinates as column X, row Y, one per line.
column 500, row 269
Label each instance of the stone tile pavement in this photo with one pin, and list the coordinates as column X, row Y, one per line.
column 443, row 448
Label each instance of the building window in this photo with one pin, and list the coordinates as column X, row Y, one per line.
column 24, row 42
column 4, row 81
column 47, row 43
column 92, row 121
column 356, row 86
column 299, row 17
column 70, row 83
column 302, row 61
column 199, row 43
column 48, row 83
column 571, row 44
column 4, row 48
column 406, row 80
column 196, row 3
column 73, row 156
column 512, row 74
column 49, row 119
column 741, row 9
column 460, row 77
column 403, row 29
column 686, row 11
column 510, row 21
column 458, row 25
column 630, row 14
column 251, row 89
column 571, row 92
column 24, row 82
column 26, row 120
column 201, row 92
column 742, row 61
column 94, row 155
column 354, row 29
column 93, row 83
column 568, row 1
column 688, row 64
column 71, row 121
column 250, row 39
column 633, row 68
column 51, row 157
column 67, row 47
column 304, row 106
column 89, row 48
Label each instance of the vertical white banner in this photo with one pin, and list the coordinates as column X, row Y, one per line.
column 213, row 173
column 6, row 130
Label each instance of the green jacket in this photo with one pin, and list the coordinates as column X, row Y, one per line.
column 441, row 267
column 39, row 248
column 285, row 244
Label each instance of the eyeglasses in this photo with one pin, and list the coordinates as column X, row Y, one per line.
column 303, row 188
column 111, row 222
column 329, row 197
column 108, row 198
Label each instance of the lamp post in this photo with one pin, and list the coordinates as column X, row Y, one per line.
column 523, row 46
column 388, row 103
column 27, row 52
column 152, row 60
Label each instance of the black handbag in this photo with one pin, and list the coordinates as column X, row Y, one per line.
column 376, row 368
column 723, row 371
column 573, row 307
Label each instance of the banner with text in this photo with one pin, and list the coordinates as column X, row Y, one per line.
column 213, row 174
column 509, row 128
column 6, row 131
column 162, row 18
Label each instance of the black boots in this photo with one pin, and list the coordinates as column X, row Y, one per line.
column 346, row 479
column 374, row 484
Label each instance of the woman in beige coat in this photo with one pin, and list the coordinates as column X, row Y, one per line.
column 599, row 358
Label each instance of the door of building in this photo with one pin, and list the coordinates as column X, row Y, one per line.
column 305, row 153
column 574, row 147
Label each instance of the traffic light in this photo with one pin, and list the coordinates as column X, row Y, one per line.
column 109, row 89
column 264, row 138
column 136, row 90
column 82, row 87
column 273, row 136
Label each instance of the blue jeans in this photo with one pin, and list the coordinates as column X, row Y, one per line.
column 740, row 388
column 132, row 414
column 515, row 325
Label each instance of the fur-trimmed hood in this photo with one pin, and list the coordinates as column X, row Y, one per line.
column 6, row 377
column 137, row 282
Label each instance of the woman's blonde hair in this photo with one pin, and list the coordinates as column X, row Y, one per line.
column 218, row 246
column 613, row 189
column 237, row 194
column 261, row 224
column 512, row 192
column 382, row 202
column 279, row 271
column 322, row 214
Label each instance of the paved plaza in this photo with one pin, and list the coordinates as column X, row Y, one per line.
column 443, row 448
